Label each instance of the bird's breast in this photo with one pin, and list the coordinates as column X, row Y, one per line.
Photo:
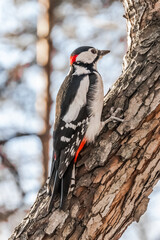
column 95, row 106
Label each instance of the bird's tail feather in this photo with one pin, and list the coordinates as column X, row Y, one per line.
column 50, row 180
column 59, row 186
column 54, row 189
column 65, row 183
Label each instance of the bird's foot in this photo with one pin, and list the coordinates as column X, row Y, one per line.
column 48, row 186
column 72, row 184
column 113, row 117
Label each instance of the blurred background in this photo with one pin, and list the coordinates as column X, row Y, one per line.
column 36, row 40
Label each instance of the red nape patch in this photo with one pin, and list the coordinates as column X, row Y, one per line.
column 79, row 149
column 73, row 59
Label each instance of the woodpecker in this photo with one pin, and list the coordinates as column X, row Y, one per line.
column 79, row 106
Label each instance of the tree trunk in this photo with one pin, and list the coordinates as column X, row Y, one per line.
column 116, row 174
column 44, row 49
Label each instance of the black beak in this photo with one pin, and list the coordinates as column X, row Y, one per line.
column 101, row 53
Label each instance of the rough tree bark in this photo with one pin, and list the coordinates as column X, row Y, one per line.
column 116, row 174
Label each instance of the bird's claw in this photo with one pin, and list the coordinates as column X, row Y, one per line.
column 116, row 112
column 113, row 117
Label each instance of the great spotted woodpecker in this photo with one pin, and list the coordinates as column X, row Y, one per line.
column 79, row 106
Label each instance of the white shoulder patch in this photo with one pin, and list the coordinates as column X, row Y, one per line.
column 78, row 102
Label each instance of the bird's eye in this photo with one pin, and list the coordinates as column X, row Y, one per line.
column 93, row 51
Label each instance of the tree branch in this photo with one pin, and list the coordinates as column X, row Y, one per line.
column 6, row 162
column 115, row 176
column 21, row 134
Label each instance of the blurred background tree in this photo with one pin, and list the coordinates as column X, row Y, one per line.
column 37, row 38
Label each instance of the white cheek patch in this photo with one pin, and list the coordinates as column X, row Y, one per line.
column 86, row 57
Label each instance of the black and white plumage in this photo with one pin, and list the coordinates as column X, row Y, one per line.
column 79, row 106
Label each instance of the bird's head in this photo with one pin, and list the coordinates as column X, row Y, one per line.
column 87, row 55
